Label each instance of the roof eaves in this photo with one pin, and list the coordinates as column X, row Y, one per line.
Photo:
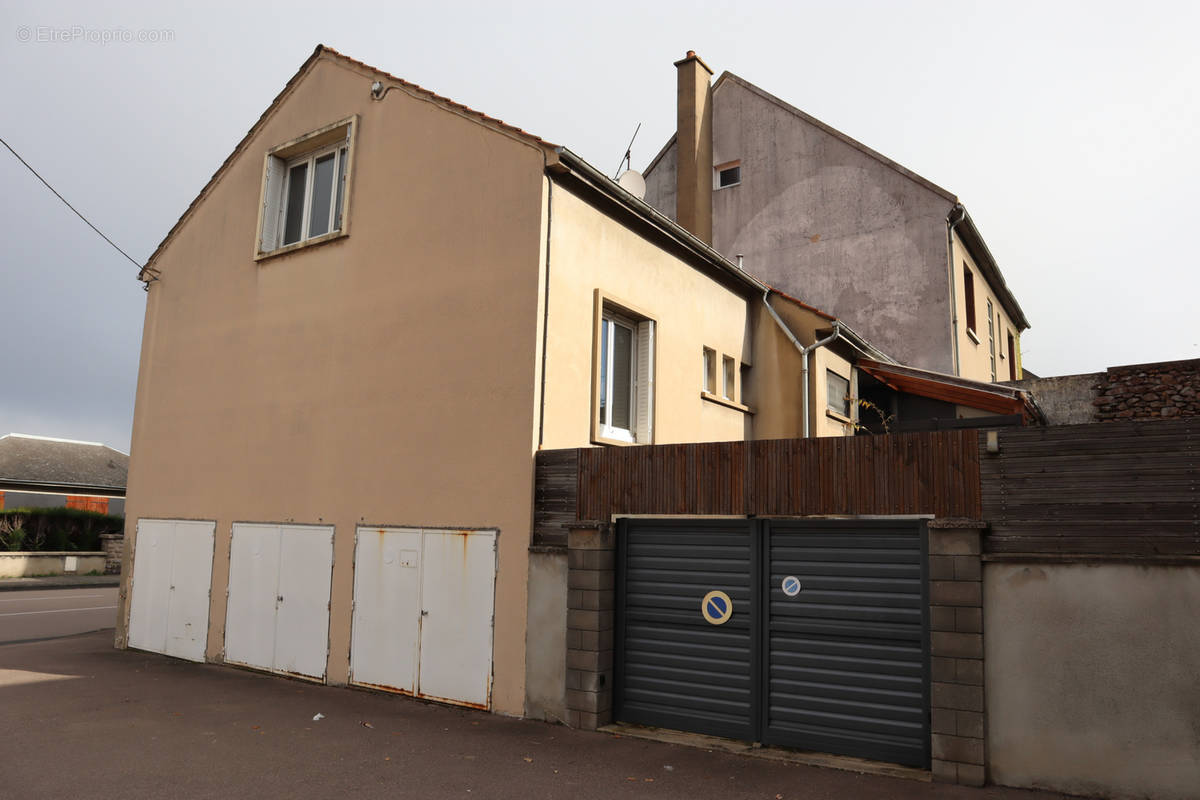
column 652, row 215
column 914, row 177
column 979, row 250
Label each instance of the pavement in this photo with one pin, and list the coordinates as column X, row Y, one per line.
column 58, row 582
column 84, row 720
column 50, row 613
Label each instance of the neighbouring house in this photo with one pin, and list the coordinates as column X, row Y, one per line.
column 357, row 337
column 827, row 219
column 44, row 472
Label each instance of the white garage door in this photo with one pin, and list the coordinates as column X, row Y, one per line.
column 278, row 611
column 172, row 574
column 423, row 606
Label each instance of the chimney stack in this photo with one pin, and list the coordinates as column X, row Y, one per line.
column 693, row 198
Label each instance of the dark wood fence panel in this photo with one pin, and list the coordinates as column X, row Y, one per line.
column 919, row 473
column 556, row 491
column 1117, row 488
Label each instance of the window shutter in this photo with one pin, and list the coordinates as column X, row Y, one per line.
column 272, row 200
column 645, row 383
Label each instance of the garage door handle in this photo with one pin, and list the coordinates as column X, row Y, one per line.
column 279, row 598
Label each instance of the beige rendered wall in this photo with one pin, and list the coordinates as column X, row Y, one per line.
column 1092, row 678
column 342, row 383
column 589, row 252
column 974, row 357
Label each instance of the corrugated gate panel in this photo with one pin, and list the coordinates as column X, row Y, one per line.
column 846, row 667
column 675, row 668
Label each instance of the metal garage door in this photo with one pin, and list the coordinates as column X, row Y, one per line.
column 836, row 663
column 172, row 573
column 423, row 608
column 277, row 616
column 677, row 670
column 846, row 671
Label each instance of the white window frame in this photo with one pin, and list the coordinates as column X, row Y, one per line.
column 610, row 314
column 336, row 138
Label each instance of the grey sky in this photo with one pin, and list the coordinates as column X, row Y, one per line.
column 1069, row 130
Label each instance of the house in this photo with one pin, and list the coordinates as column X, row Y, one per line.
column 357, row 336
column 44, row 472
column 829, row 220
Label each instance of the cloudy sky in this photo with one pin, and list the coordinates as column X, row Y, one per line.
column 1068, row 129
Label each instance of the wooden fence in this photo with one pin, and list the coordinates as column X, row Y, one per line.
column 919, row 473
column 1113, row 488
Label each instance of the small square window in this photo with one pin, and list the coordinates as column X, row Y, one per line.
column 837, row 393
column 728, row 175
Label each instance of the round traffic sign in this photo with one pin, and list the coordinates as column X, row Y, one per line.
column 790, row 586
column 716, row 607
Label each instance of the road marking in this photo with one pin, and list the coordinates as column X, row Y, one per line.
column 32, row 599
column 54, row 611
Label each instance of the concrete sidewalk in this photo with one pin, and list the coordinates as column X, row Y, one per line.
column 94, row 722
column 58, row 582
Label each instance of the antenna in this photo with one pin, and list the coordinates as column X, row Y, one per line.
column 625, row 160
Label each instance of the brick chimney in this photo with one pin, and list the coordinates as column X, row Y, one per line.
column 693, row 199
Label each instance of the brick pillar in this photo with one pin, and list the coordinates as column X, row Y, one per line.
column 113, row 545
column 958, row 731
column 590, row 620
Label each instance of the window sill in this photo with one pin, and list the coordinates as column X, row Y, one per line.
column 604, row 440
column 724, row 401
column 973, row 336
column 291, row 248
column 842, row 418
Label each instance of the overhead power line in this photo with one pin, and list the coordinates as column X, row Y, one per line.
column 68, row 205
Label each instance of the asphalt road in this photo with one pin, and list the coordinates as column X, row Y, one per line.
column 88, row 721
column 56, row 612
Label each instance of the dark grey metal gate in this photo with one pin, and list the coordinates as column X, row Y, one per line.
column 838, row 665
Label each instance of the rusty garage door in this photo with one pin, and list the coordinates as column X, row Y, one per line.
column 804, row 633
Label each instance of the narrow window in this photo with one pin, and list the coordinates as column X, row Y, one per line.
column 837, row 393
column 710, row 371
column 991, row 339
column 1012, row 357
column 626, row 377
column 969, row 296
column 727, row 382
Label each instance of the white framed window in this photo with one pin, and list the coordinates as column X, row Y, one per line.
column 729, row 370
column 624, row 377
column 305, row 189
column 710, row 371
column 727, row 174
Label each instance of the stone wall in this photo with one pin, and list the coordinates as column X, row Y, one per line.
column 113, row 545
column 1149, row 391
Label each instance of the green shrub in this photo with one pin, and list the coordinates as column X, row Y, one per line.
column 62, row 529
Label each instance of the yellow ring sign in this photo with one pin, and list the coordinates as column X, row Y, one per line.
column 716, row 607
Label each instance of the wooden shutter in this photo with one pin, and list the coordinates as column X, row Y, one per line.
column 644, row 433
column 272, row 204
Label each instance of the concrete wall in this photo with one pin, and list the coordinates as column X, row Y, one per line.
column 1064, row 399
column 1092, row 678
column 828, row 223
column 386, row 377
column 974, row 353
column 33, row 500
column 19, row 565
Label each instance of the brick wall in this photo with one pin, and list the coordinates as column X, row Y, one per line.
column 1149, row 391
column 958, row 724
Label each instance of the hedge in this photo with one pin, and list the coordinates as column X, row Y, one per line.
column 41, row 529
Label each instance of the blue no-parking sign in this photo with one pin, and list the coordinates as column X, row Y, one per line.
column 716, row 607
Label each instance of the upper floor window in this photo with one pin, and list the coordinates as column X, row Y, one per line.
column 991, row 338
column 624, row 378
column 305, row 188
column 729, row 174
column 969, row 296
column 728, row 374
column 837, row 393
column 710, row 371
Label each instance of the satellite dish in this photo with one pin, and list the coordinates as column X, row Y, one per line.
column 632, row 181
